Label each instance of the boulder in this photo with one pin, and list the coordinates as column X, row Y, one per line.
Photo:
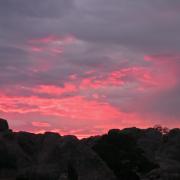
column 3, row 125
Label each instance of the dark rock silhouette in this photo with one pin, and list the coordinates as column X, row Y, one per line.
column 145, row 154
column 26, row 156
column 3, row 125
column 120, row 151
column 72, row 173
column 128, row 154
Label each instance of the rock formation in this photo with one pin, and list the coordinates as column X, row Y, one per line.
column 26, row 156
column 128, row 154
column 3, row 125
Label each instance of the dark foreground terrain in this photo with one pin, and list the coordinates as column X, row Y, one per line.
column 129, row 154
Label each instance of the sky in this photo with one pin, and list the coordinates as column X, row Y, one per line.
column 85, row 66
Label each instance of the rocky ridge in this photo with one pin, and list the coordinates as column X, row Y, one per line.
column 128, row 154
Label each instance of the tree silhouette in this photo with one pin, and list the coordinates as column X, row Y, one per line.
column 162, row 130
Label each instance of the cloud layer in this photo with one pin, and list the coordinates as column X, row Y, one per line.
column 84, row 66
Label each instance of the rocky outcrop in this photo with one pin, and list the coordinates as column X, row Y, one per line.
column 120, row 150
column 3, row 125
column 148, row 154
column 128, row 154
column 49, row 156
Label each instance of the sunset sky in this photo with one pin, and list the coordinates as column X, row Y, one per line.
column 84, row 66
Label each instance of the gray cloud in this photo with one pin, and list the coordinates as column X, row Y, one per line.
column 142, row 25
column 34, row 8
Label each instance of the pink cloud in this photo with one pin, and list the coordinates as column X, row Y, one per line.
column 87, row 102
column 40, row 124
column 167, row 67
column 52, row 44
column 76, row 107
column 55, row 90
column 142, row 76
column 53, row 38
